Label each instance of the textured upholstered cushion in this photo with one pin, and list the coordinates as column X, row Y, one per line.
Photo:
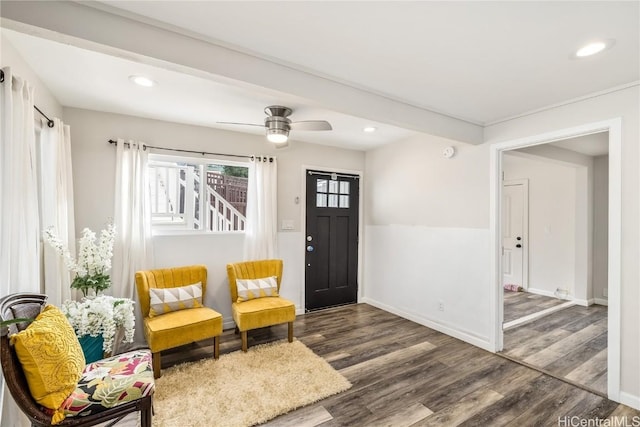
column 262, row 312
column 181, row 327
column 111, row 382
column 249, row 289
column 166, row 300
column 51, row 358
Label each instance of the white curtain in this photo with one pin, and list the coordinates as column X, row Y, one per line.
column 262, row 209
column 19, row 222
column 133, row 249
column 56, row 206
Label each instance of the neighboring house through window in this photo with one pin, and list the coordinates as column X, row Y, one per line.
column 197, row 194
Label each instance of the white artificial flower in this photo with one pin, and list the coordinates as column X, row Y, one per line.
column 93, row 259
column 102, row 315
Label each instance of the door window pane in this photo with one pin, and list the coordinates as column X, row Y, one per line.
column 333, row 186
column 321, row 200
column 333, row 200
column 344, row 187
column 344, row 201
column 321, row 186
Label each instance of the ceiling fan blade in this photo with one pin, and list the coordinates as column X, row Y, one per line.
column 311, row 125
column 242, row 124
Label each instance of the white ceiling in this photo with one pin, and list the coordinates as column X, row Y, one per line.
column 90, row 80
column 479, row 61
column 596, row 144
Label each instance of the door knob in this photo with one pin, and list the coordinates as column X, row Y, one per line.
column 518, row 238
column 309, row 248
column 518, row 245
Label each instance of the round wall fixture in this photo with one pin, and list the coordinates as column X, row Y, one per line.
column 448, row 152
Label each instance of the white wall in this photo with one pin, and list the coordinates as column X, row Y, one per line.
column 427, row 221
column 552, row 213
column 94, row 177
column 584, row 208
column 426, row 235
column 600, row 228
column 626, row 105
column 44, row 99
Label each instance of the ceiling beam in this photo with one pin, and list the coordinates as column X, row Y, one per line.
column 114, row 34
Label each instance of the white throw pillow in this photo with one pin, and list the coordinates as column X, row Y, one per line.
column 165, row 300
column 249, row 289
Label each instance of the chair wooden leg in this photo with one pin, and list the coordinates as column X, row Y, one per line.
column 290, row 331
column 156, row 365
column 243, row 334
column 146, row 413
column 216, row 347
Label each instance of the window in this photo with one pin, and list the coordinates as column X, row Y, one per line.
column 332, row 193
column 193, row 194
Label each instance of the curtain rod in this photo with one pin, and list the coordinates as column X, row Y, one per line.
column 111, row 141
column 49, row 121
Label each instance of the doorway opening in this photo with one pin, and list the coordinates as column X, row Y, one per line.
column 564, row 316
column 557, row 324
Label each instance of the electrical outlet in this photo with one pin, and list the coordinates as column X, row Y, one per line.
column 562, row 293
column 440, row 305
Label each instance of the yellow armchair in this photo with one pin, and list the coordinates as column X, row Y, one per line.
column 176, row 323
column 262, row 311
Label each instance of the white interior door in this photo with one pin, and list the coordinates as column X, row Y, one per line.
column 514, row 232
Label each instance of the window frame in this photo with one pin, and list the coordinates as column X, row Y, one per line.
column 186, row 226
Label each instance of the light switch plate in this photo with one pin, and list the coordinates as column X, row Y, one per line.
column 287, row 224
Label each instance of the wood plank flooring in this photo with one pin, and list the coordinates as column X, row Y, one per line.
column 570, row 343
column 521, row 304
column 405, row 374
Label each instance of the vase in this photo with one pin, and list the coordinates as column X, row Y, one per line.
column 91, row 347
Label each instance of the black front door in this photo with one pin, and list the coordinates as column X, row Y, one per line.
column 331, row 245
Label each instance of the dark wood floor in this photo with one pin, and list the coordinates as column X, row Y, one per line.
column 521, row 304
column 405, row 374
column 570, row 343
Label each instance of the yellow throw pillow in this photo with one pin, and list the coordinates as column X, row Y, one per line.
column 165, row 300
column 51, row 358
column 257, row 288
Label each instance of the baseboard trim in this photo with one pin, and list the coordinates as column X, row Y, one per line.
column 630, row 400
column 601, row 301
column 535, row 316
column 583, row 302
column 578, row 301
column 545, row 293
column 447, row 329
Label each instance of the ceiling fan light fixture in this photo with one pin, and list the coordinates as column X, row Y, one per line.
column 277, row 136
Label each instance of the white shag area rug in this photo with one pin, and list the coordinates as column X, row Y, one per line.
column 244, row 389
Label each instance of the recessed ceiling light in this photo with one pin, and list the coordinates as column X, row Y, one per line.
column 593, row 48
column 142, row 81
column 369, row 129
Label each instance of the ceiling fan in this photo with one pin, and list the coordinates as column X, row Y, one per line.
column 277, row 124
